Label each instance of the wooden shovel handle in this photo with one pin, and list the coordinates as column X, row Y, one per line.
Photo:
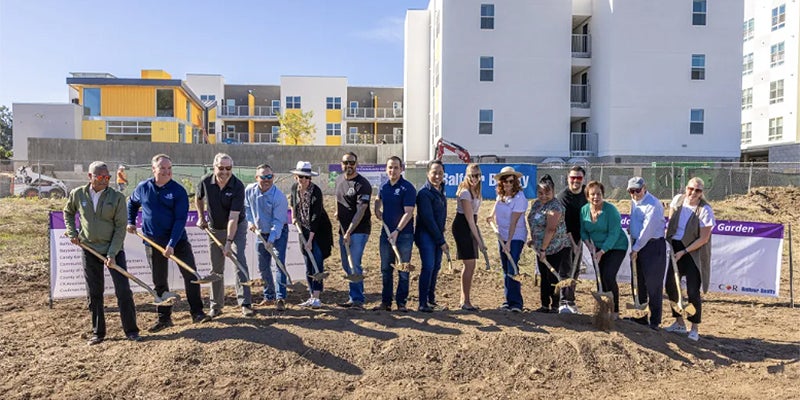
column 172, row 257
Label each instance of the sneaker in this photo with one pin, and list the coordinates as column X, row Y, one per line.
column 573, row 308
column 516, row 309
column 307, row 303
column 564, row 309
column 160, row 325
column 315, row 303
column 351, row 304
column 543, row 309
column 382, row 307
column 201, row 318
column 425, row 309
column 134, row 337
column 693, row 336
column 504, row 307
column 640, row 320
column 95, row 340
column 402, row 308
column 265, row 303
column 214, row 313
column 676, row 328
column 280, row 305
column 247, row 311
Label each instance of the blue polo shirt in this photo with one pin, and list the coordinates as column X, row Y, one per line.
column 164, row 211
column 394, row 199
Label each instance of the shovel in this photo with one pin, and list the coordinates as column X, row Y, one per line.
column 636, row 305
column 570, row 281
column 600, row 295
column 679, row 307
column 198, row 280
column 317, row 275
column 350, row 276
column 515, row 276
column 605, row 300
column 449, row 262
column 230, row 256
column 549, row 266
column 400, row 265
column 166, row 299
column 483, row 250
column 278, row 262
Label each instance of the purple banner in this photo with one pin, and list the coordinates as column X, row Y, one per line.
column 734, row 228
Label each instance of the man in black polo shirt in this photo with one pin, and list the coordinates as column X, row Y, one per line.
column 352, row 211
column 573, row 199
column 224, row 194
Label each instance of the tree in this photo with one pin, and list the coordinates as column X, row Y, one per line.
column 296, row 128
column 6, row 125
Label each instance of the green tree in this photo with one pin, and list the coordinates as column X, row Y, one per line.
column 6, row 125
column 296, row 128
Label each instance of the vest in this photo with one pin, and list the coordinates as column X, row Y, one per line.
column 701, row 256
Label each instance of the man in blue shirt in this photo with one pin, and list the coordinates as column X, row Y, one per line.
column 648, row 249
column 266, row 210
column 395, row 207
column 165, row 207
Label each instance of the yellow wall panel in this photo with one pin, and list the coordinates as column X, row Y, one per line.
column 164, row 131
column 93, row 130
column 333, row 140
column 212, row 115
column 180, row 104
column 155, row 74
column 333, row 116
column 251, row 130
column 251, row 104
column 197, row 116
column 127, row 101
column 293, row 111
column 212, row 138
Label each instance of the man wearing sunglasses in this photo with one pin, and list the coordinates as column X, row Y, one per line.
column 223, row 192
column 648, row 248
column 267, row 212
column 103, row 217
column 353, row 193
column 573, row 199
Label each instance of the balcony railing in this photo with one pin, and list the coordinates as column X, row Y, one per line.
column 368, row 138
column 373, row 113
column 266, row 137
column 234, row 137
column 244, row 111
column 581, row 45
column 582, row 144
column 579, row 96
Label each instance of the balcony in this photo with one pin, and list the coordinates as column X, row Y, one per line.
column 368, row 138
column 266, row 137
column 581, row 46
column 579, row 96
column 582, row 144
column 243, row 112
column 233, row 137
column 374, row 114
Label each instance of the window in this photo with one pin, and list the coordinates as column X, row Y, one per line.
column 776, row 54
column 333, row 103
column 188, row 111
column 181, row 133
column 747, row 64
column 747, row 133
column 698, row 67
column 276, row 133
column 776, row 92
column 333, row 129
column 696, row 120
column 485, row 121
column 353, row 130
column 748, row 29
column 487, row 69
column 487, row 16
column 778, row 17
column 775, row 129
column 165, row 105
column 208, row 97
column 292, row 102
column 91, row 101
column 276, row 106
column 747, row 98
column 698, row 12
column 128, row 128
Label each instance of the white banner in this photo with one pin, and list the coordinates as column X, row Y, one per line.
column 66, row 260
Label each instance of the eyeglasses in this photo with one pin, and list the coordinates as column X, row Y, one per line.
column 637, row 191
column 267, row 176
column 349, row 162
column 221, row 168
column 102, row 177
column 476, row 176
column 576, row 178
column 303, row 177
column 691, row 189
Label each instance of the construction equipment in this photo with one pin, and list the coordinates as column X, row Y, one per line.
column 462, row 153
column 678, row 306
column 271, row 250
column 399, row 264
column 166, row 299
column 198, row 280
column 317, row 275
column 515, row 270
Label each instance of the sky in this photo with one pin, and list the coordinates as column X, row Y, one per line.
column 247, row 42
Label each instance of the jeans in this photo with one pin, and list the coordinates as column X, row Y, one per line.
column 312, row 284
column 431, row 256
column 158, row 265
column 357, row 243
column 265, row 265
column 243, row 297
column 511, row 288
column 93, row 273
column 404, row 244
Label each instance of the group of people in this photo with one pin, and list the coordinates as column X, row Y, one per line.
column 408, row 216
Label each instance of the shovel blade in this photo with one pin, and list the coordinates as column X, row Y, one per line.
column 634, row 306
column 354, row 277
column 319, row 277
column 690, row 310
column 603, row 296
column 254, row 282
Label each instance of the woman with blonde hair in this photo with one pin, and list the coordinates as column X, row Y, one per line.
column 465, row 229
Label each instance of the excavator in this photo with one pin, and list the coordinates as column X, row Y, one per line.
column 462, row 153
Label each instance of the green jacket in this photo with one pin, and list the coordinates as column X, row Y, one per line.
column 104, row 230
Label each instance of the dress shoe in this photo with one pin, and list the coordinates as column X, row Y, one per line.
column 382, row 307
column 95, row 340
column 160, row 325
column 425, row 309
column 201, row 318
column 134, row 337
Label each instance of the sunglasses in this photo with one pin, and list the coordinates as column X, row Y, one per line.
column 691, row 189
column 102, row 177
column 221, row 168
column 267, row 176
column 576, row 178
column 303, row 177
column 476, row 176
column 637, row 191
column 349, row 162
column 509, row 180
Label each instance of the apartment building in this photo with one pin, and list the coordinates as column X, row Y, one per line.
column 770, row 85
column 612, row 81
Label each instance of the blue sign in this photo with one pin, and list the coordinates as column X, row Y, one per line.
column 454, row 174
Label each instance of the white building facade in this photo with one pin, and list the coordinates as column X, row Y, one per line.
column 611, row 80
column 770, row 85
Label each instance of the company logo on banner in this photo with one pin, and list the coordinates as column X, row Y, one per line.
column 66, row 259
column 455, row 173
column 375, row 173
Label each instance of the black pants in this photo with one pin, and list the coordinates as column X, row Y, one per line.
column 95, row 285
column 686, row 267
column 158, row 265
column 651, row 266
column 609, row 267
column 561, row 263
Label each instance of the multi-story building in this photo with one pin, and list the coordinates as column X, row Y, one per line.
column 770, row 85
column 612, row 81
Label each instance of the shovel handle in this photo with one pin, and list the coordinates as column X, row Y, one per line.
column 119, row 269
column 349, row 255
column 508, row 254
column 305, row 250
column 394, row 246
column 171, row 257
column 222, row 246
column 274, row 256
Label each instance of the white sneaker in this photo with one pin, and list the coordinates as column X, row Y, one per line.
column 573, row 309
column 693, row 336
column 563, row 309
column 306, row 303
column 676, row 328
column 315, row 303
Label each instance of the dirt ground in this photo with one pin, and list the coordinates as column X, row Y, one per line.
column 749, row 347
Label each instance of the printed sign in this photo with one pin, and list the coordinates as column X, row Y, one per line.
column 455, row 173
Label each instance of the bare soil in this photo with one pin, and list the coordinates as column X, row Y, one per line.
column 749, row 346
